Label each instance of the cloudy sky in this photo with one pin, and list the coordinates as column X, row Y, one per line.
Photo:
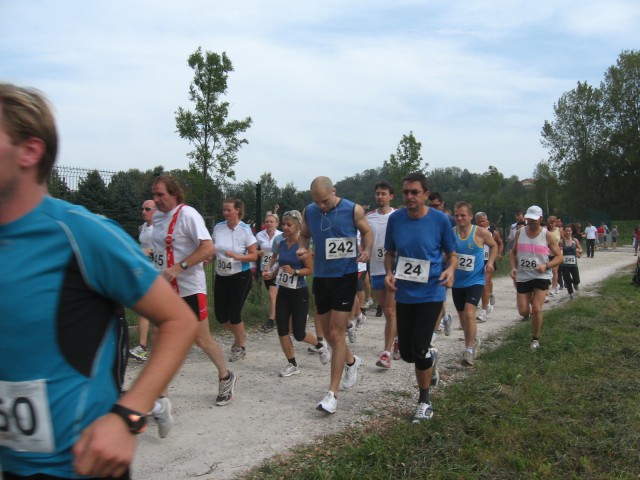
column 330, row 85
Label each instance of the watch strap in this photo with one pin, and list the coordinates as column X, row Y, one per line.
column 136, row 421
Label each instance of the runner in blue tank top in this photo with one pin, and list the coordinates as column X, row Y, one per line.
column 331, row 222
column 470, row 276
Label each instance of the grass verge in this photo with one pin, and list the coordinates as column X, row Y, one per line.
column 570, row 410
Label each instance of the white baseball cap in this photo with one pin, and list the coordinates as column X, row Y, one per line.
column 534, row 212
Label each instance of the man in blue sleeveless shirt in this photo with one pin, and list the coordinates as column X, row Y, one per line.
column 332, row 222
column 68, row 273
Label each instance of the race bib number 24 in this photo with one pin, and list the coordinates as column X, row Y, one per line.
column 413, row 269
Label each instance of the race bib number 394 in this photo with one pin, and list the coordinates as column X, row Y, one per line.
column 413, row 269
column 340, row 248
column 25, row 418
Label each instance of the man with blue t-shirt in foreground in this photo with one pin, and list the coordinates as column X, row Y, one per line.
column 420, row 261
column 62, row 413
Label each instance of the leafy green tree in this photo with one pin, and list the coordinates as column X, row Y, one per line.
column 577, row 142
column 547, row 190
column 216, row 139
column 621, row 101
column 58, row 187
column 124, row 202
column 490, row 185
column 92, row 193
column 407, row 159
column 291, row 199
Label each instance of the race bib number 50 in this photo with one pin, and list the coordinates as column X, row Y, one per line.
column 340, row 248
column 25, row 419
column 413, row 269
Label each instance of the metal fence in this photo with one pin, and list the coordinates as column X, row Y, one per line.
column 119, row 195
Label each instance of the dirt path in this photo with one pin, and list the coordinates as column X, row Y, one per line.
column 270, row 414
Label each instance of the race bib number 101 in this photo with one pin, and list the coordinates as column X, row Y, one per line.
column 25, row 418
column 340, row 248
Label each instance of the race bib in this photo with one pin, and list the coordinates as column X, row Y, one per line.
column 25, row 418
column 158, row 259
column 226, row 266
column 286, row 280
column 486, row 253
column 341, row 248
column 466, row 263
column 529, row 264
column 413, row 269
column 570, row 260
column 266, row 258
column 379, row 254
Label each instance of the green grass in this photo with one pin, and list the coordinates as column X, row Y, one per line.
column 569, row 411
column 625, row 229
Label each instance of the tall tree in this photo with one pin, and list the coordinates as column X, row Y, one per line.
column 216, row 139
column 92, row 193
column 546, row 191
column 621, row 93
column 577, row 140
column 407, row 159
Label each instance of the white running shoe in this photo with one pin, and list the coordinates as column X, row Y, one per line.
column 139, row 353
column 424, row 412
column 368, row 303
column 476, row 347
column 350, row 374
column 238, row 353
column 351, row 332
column 489, row 311
column 163, row 418
column 328, row 403
column 446, row 322
column 325, row 353
column 384, row 361
column 360, row 321
column 289, row 369
column 396, row 349
column 225, row 389
column 435, row 373
column 535, row 345
column 482, row 316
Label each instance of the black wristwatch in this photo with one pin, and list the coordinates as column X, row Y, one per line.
column 136, row 421
column 297, row 272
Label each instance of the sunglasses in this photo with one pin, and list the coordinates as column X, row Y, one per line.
column 412, row 192
column 147, row 209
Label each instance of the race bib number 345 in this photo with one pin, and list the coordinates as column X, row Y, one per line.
column 341, row 248
column 25, row 418
column 413, row 269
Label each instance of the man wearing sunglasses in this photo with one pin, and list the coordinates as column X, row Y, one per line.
column 146, row 230
column 420, row 261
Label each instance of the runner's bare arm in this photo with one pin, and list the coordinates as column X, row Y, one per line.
column 304, row 239
column 205, row 250
column 389, row 263
column 366, row 236
column 446, row 277
column 487, row 238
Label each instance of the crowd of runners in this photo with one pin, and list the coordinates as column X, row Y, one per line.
column 64, row 410
column 407, row 258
